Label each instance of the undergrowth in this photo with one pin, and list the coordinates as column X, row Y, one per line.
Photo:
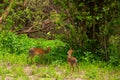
column 13, row 62
column 15, row 67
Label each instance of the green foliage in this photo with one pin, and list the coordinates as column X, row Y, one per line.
column 15, row 67
column 57, row 55
column 89, row 57
column 114, row 50
column 12, row 43
column 87, row 26
column 20, row 44
column 18, row 16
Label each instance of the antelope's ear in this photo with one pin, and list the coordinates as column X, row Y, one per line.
column 71, row 48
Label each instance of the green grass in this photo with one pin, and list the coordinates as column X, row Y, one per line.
column 15, row 67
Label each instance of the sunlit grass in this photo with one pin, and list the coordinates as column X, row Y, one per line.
column 16, row 67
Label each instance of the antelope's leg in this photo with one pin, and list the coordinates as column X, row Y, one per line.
column 72, row 67
column 28, row 58
column 31, row 57
column 77, row 67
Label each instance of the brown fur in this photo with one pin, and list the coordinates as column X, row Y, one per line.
column 72, row 61
column 37, row 51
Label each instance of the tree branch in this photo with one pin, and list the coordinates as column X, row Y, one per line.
column 6, row 12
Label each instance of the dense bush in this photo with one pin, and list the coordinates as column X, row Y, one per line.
column 89, row 27
column 114, row 49
column 20, row 44
column 12, row 43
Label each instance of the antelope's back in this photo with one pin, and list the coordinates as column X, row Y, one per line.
column 72, row 60
column 36, row 51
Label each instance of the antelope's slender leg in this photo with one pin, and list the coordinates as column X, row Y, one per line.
column 28, row 58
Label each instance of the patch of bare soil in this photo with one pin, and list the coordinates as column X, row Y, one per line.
column 0, row 77
column 73, row 79
column 28, row 70
column 34, row 77
column 30, row 73
column 9, row 78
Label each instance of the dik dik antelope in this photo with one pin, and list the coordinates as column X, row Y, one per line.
column 72, row 61
column 37, row 51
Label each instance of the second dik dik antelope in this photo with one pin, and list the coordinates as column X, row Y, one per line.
column 37, row 51
column 72, row 61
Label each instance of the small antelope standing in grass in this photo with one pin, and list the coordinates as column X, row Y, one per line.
column 72, row 61
column 37, row 51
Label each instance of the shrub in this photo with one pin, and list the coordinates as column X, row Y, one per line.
column 19, row 44
column 12, row 43
column 114, row 50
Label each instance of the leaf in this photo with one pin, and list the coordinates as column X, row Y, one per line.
column 97, row 17
column 79, row 18
column 89, row 17
column 81, row 4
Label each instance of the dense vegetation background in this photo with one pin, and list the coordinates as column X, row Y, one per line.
column 92, row 27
